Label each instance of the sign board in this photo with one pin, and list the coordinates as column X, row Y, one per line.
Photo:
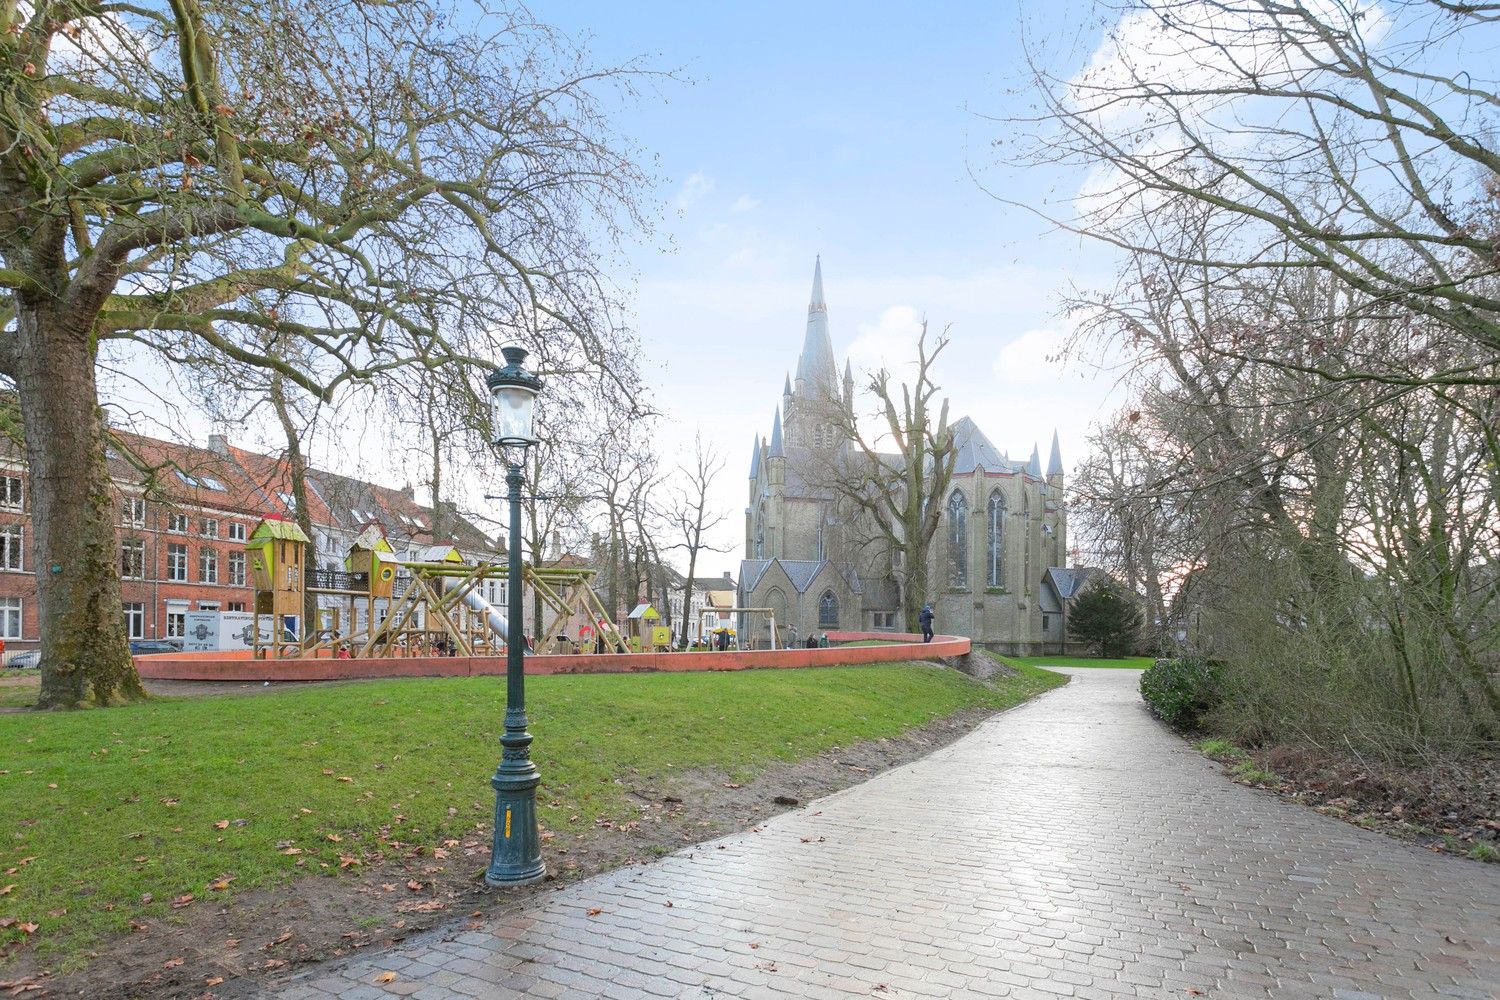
column 212, row 631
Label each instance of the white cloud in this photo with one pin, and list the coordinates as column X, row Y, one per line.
column 888, row 342
column 745, row 203
column 1032, row 358
column 694, row 189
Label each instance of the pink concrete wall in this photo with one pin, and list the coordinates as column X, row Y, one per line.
column 238, row 666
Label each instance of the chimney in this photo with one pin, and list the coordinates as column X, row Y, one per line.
column 409, row 492
column 218, row 443
column 726, row 574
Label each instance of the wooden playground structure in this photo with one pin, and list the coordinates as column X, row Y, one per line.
column 383, row 606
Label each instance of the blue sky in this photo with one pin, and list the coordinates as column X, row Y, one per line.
column 850, row 131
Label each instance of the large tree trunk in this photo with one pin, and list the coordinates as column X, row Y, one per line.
column 74, row 550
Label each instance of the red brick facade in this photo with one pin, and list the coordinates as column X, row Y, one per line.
column 204, row 532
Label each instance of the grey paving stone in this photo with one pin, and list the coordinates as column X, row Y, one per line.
column 1071, row 847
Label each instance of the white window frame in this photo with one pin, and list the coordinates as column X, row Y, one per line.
column 235, row 606
column 208, row 564
column 14, row 557
column 177, row 523
column 236, row 531
column 133, row 512
column 174, row 575
column 176, row 621
column 135, row 619
column 12, row 497
column 12, row 617
column 138, row 545
column 209, row 605
column 208, row 527
column 236, row 569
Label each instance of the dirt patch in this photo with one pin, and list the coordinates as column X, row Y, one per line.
column 245, row 944
column 1451, row 808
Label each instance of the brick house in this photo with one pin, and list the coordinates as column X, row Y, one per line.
column 183, row 515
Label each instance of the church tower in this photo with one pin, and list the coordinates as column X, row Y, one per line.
column 814, row 409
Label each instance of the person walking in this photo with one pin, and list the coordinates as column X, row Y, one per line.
column 926, row 620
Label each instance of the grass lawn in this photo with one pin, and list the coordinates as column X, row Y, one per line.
column 114, row 814
column 1127, row 663
column 874, row 642
column 18, row 688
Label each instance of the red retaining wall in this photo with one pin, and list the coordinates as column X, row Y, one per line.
column 238, row 665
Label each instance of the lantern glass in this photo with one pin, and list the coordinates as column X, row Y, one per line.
column 511, row 412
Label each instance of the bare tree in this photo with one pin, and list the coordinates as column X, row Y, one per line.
column 897, row 476
column 185, row 181
column 1322, row 137
column 692, row 519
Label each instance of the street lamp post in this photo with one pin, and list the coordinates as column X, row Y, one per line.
column 516, row 847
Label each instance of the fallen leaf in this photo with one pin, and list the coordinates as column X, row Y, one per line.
column 171, row 963
column 231, row 942
column 595, row 911
column 345, row 777
column 335, row 838
column 185, row 899
column 414, row 885
column 346, row 860
column 668, row 904
column 219, row 885
column 292, row 850
column 222, row 824
column 283, row 939
column 6, row 922
column 213, row 980
column 327, row 770
column 386, row 977
column 274, row 963
column 5, row 890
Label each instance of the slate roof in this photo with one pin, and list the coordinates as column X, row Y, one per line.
column 1054, row 464
column 801, row 572
column 974, row 450
column 1069, row 580
column 816, row 369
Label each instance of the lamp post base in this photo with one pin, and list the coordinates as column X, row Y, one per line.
column 516, row 848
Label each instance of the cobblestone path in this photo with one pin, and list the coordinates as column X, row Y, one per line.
column 1070, row 847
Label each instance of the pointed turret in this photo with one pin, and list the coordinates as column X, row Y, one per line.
column 816, row 372
column 1034, row 467
column 1054, row 464
column 848, row 385
column 755, row 459
column 786, row 389
column 776, row 455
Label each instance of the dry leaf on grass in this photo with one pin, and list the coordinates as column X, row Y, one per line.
column 222, row 824
column 172, row 963
column 213, row 980
column 186, row 899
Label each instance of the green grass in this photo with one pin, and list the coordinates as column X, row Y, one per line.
column 1220, row 750
column 102, row 807
column 875, row 642
column 1484, row 852
column 1127, row 663
column 18, row 689
column 1251, row 773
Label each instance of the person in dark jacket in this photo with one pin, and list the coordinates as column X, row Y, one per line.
column 926, row 619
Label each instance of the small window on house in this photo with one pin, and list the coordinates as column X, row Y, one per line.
column 133, row 512
column 11, row 546
column 135, row 620
column 10, row 618
column 209, row 527
column 133, row 559
column 236, row 531
column 11, row 496
column 178, row 523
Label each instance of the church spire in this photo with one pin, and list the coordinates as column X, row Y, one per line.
column 1034, row 467
column 755, row 459
column 816, row 372
column 776, row 451
column 1054, row 464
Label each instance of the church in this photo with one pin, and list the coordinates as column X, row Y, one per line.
column 821, row 564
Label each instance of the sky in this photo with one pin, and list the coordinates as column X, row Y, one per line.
column 781, row 132
column 861, row 133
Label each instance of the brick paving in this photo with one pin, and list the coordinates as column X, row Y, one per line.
column 1069, row 848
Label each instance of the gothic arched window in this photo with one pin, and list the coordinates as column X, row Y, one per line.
column 958, row 540
column 828, row 610
column 994, row 569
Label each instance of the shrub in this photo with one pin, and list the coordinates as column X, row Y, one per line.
column 1181, row 691
column 1106, row 617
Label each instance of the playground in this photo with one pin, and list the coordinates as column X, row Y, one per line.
column 433, row 617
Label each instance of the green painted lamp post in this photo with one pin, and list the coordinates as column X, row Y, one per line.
column 516, row 848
